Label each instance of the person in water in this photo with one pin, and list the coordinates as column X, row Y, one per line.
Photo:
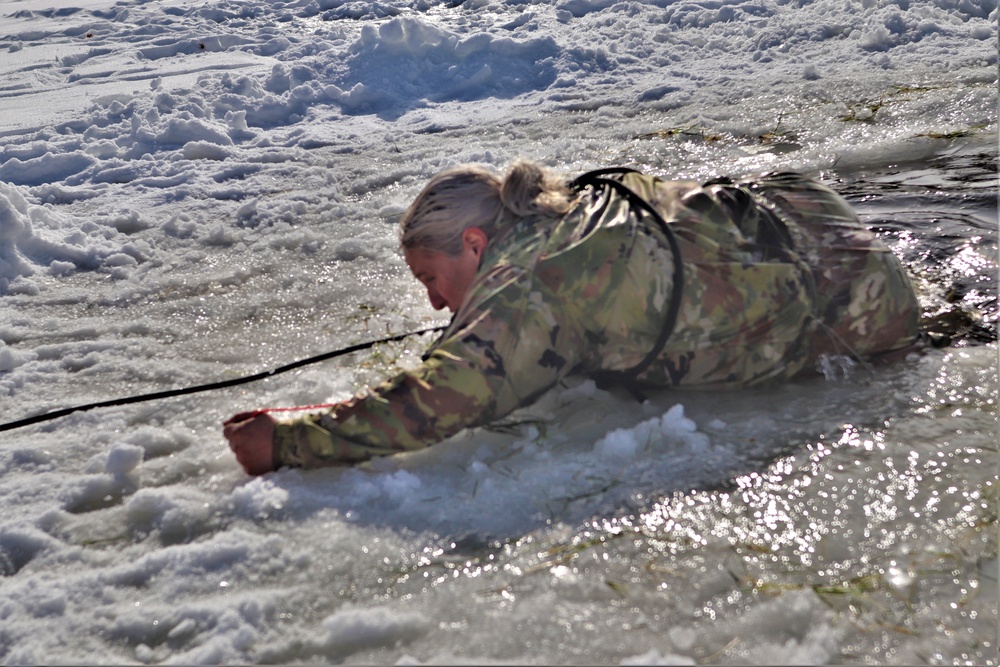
column 615, row 275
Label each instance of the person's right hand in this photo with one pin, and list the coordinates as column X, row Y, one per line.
column 251, row 437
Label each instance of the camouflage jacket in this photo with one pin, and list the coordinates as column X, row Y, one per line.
column 772, row 277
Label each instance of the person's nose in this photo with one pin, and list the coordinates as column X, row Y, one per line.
column 437, row 301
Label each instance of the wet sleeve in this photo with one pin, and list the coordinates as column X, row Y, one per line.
column 516, row 345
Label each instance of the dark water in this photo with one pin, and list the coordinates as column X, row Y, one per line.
column 940, row 217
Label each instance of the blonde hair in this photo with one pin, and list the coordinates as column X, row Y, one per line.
column 472, row 196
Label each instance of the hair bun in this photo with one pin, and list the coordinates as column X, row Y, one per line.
column 530, row 189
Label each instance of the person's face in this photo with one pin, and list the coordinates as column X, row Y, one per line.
column 448, row 277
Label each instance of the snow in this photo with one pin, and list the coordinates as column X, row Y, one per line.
column 195, row 190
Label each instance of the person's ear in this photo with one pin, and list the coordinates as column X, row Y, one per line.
column 476, row 240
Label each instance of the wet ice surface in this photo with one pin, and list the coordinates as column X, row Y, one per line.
column 854, row 522
column 196, row 191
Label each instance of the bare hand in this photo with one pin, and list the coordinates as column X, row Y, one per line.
column 251, row 437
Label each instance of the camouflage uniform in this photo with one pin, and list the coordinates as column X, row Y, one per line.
column 776, row 272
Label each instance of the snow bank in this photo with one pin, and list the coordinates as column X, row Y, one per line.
column 407, row 63
column 34, row 237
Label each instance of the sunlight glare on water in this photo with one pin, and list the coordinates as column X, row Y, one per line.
column 878, row 525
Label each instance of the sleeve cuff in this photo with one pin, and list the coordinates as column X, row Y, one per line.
column 305, row 443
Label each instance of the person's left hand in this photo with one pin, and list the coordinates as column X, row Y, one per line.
column 251, row 437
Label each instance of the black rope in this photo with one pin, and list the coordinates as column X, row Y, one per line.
column 170, row 393
column 599, row 178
